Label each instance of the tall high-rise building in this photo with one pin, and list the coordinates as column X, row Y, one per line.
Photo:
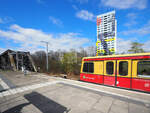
column 106, row 33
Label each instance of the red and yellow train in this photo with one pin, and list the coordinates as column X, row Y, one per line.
column 130, row 71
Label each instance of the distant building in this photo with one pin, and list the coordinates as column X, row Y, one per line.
column 106, row 34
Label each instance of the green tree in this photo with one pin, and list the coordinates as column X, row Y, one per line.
column 68, row 60
column 136, row 48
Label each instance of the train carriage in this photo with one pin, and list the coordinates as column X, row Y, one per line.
column 130, row 71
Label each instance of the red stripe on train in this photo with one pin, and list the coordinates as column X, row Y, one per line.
column 118, row 58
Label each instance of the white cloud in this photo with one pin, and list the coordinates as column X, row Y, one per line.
column 85, row 15
column 29, row 39
column 55, row 21
column 2, row 50
column 146, row 46
column 140, row 31
column 123, row 45
column 125, row 4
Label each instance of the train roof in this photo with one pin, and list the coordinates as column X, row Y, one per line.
column 118, row 56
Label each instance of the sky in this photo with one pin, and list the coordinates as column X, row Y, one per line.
column 70, row 24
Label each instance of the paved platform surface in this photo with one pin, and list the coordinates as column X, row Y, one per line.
column 63, row 98
column 18, row 79
column 5, row 83
column 57, row 95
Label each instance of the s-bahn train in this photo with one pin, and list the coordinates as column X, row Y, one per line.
column 131, row 71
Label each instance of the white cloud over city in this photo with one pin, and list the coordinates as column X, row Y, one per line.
column 2, row 50
column 86, row 15
column 146, row 46
column 29, row 39
column 125, row 4
column 144, row 30
column 123, row 45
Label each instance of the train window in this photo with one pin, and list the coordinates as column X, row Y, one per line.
column 110, row 68
column 123, row 68
column 88, row 67
column 143, row 68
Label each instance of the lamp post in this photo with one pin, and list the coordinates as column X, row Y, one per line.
column 47, row 54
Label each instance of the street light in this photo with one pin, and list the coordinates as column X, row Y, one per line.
column 47, row 54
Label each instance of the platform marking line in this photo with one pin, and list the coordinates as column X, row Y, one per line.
column 25, row 88
column 3, row 84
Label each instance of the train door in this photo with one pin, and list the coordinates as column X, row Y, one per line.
column 123, row 73
column 109, row 72
column 141, row 75
column 98, row 70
